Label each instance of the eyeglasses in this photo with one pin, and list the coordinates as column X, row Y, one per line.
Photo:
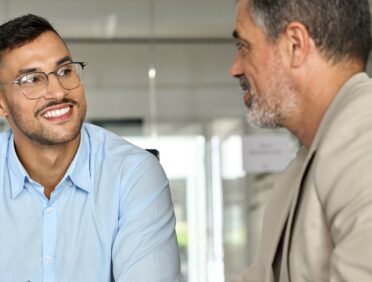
column 34, row 85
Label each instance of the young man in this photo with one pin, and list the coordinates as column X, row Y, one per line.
column 301, row 65
column 77, row 203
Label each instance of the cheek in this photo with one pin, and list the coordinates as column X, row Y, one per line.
column 258, row 75
column 252, row 70
column 81, row 99
column 22, row 107
column 77, row 94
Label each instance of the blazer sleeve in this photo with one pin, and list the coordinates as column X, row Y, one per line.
column 344, row 181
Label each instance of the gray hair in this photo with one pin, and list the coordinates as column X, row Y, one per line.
column 339, row 28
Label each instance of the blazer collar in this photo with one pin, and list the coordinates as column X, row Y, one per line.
column 342, row 97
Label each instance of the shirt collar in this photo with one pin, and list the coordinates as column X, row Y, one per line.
column 78, row 172
column 17, row 173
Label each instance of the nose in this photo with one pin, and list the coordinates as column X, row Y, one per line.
column 54, row 89
column 236, row 69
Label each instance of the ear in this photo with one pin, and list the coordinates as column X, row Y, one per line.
column 298, row 43
column 3, row 107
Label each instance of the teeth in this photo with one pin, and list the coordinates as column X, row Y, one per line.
column 56, row 113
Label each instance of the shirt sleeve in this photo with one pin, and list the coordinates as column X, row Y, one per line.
column 145, row 247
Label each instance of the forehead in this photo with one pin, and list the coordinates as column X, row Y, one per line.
column 46, row 49
column 246, row 29
column 244, row 21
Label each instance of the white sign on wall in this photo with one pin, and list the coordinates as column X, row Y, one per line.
column 266, row 153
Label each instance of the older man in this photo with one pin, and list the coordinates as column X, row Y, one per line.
column 301, row 65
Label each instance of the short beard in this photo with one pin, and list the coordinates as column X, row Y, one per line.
column 42, row 136
column 277, row 102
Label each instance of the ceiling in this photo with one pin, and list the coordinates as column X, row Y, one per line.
column 130, row 18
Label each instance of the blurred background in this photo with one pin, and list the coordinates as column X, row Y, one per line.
column 158, row 75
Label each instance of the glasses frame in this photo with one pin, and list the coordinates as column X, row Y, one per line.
column 18, row 80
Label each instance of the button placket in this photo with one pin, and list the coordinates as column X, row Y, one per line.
column 49, row 241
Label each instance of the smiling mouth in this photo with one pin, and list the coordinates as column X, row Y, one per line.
column 57, row 113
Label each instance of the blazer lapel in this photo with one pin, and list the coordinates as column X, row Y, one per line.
column 277, row 212
column 297, row 184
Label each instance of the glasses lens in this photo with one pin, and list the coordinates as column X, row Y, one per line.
column 33, row 85
column 70, row 75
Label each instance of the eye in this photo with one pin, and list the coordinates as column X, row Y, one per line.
column 65, row 70
column 31, row 79
column 244, row 48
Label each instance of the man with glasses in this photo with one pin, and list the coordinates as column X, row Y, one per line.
column 301, row 64
column 77, row 203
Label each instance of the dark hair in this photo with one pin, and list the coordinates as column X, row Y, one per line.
column 22, row 30
column 339, row 28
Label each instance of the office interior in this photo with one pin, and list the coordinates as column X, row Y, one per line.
column 158, row 74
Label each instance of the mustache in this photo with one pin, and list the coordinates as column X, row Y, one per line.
column 55, row 103
column 244, row 84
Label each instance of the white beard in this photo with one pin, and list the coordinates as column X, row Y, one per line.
column 277, row 102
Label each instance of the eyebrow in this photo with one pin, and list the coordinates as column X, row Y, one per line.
column 241, row 41
column 64, row 60
column 24, row 71
column 30, row 70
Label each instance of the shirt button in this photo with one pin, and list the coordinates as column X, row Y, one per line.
column 50, row 209
column 69, row 183
column 49, row 259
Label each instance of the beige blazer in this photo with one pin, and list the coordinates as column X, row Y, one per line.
column 318, row 223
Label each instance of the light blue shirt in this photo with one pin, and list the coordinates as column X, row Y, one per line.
column 109, row 219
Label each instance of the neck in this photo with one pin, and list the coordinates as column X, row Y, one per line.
column 319, row 87
column 46, row 164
